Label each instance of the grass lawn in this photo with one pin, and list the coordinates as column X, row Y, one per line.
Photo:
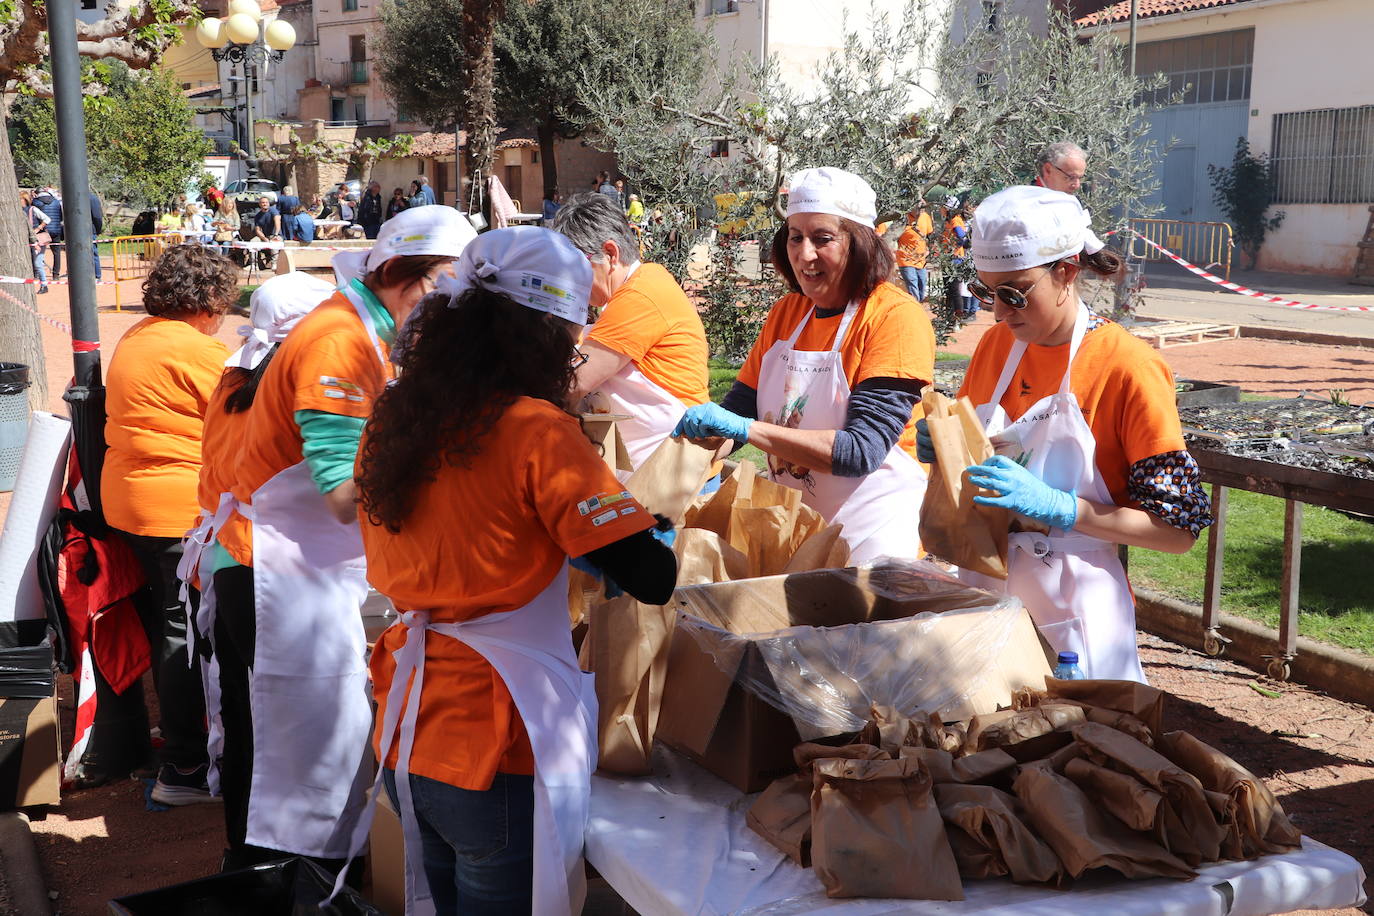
column 1336, row 590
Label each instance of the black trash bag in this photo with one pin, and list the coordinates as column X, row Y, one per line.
column 286, row 887
column 26, row 673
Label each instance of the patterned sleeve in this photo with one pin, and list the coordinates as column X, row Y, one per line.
column 1169, row 485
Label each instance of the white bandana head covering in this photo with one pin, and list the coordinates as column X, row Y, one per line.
column 834, row 191
column 951, row 202
column 417, row 231
column 537, row 267
column 1026, row 226
column 274, row 309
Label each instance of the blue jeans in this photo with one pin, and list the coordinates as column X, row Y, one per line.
column 477, row 847
column 916, row 279
column 40, row 267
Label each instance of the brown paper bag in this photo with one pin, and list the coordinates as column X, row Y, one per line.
column 876, row 832
column 1010, row 726
column 764, row 535
column 1255, row 822
column 1132, row 802
column 782, row 813
column 953, row 527
column 1184, row 823
column 920, row 729
column 670, row 479
column 1026, row 697
column 704, row 557
column 824, row 549
column 998, row 841
column 628, row 651
column 1083, row 835
column 974, row 768
column 1138, row 700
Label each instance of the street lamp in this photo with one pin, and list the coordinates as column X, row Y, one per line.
column 242, row 38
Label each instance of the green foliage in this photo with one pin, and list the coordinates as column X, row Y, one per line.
column 734, row 306
column 1243, row 191
column 420, row 58
column 142, row 142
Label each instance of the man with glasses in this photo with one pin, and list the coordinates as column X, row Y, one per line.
column 1061, row 166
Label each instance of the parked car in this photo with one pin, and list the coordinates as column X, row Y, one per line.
column 246, row 192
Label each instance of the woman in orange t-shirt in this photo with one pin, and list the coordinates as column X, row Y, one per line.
column 476, row 487
column 1085, row 424
column 829, row 388
column 159, row 383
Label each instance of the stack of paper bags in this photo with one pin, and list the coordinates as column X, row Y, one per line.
column 953, row 526
column 753, row 527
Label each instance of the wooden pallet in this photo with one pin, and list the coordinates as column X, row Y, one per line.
column 1180, row 333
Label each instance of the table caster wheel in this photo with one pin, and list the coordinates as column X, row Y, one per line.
column 1213, row 645
column 1279, row 670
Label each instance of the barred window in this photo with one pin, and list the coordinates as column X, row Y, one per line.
column 1205, row 68
column 1324, row 156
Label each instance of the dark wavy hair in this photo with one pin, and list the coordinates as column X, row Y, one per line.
column 871, row 262
column 245, row 383
column 188, row 279
column 459, row 369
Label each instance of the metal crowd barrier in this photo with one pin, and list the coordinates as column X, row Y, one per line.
column 134, row 256
column 1205, row 244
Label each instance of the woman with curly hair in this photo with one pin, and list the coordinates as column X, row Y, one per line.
column 289, row 577
column 476, row 486
column 160, row 380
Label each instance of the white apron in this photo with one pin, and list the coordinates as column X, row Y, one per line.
column 531, row 650
column 652, row 410
column 1073, row 585
column 309, row 685
column 805, row 389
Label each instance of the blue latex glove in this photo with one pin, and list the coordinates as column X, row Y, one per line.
column 925, row 448
column 591, row 569
column 665, row 536
column 705, row 421
column 1023, row 492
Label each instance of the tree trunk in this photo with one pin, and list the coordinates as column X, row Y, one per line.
column 548, row 154
column 21, row 340
column 479, row 102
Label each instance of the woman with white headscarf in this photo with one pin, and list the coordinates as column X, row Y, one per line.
column 1084, row 419
column 829, row 388
column 476, row 486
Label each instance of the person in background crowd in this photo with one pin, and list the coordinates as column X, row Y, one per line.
column 267, row 228
column 646, row 356
column 159, row 383
column 226, row 223
column 316, row 207
column 417, row 197
column 286, row 205
column 913, row 247
column 305, row 226
column 211, row 197
column 290, row 578
column 829, row 387
column 370, row 210
column 171, row 221
column 635, row 211
column 954, row 239
column 473, row 484
column 604, row 186
column 1061, row 166
column 426, row 191
column 39, row 239
column 274, row 309
column 397, row 203
column 1084, row 419
column 97, row 227
column 621, row 197
column 50, row 202
column 552, row 201
column 194, row 222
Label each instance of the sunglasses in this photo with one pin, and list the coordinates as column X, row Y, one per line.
column 1013, row 297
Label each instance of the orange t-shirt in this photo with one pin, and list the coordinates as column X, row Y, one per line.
column 650, row 320
column 159, row 383
column 1123, row 387
column 890, row 337
column 951, row 240
column 481, row 540
column 219, row 449
column 326, row 363
column 912, row 247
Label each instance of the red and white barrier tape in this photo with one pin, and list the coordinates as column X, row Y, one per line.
column 1245, row 290
column 60, row 325
column 25, row 281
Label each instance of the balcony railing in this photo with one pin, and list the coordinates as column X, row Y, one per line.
column 357, row 71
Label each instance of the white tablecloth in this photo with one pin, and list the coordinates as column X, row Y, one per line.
column 677, row 842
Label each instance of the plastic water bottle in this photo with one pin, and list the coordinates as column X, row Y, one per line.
column 1066, row 669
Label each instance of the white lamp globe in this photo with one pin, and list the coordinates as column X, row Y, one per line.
column 208, row 33
column 249, row 8
column 241, row 28
column 280, row 35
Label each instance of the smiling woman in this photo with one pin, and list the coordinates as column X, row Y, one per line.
column 827, row 391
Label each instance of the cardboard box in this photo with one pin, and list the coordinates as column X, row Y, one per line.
column 30, row 753
column 721, row 701
column 386, row 859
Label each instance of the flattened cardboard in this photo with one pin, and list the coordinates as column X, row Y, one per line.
column 602, row 430
column 710, row 717
column 30, row 753
column 386, row 859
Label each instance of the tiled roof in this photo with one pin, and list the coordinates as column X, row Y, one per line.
column 1120, row 11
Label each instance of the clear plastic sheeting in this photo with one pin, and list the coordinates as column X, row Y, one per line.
column 906, row 636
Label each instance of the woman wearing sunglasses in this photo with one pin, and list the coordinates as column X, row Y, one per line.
column 1086, row 428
